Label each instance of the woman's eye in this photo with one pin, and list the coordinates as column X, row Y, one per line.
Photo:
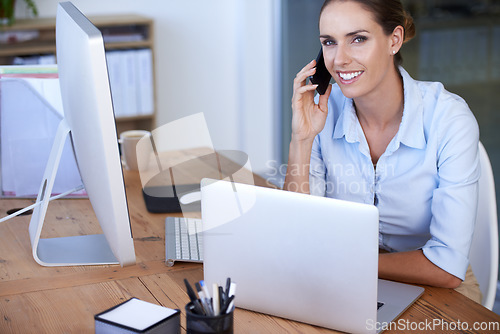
column 328, row 42
column 359, row 39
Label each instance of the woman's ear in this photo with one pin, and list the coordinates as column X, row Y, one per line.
column 397, row 38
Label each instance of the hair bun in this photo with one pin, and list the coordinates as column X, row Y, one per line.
column 409, row 27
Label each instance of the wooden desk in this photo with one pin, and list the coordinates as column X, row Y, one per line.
column 36, row 299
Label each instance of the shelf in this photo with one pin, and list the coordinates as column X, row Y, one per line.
column 34, row 47
column 26, row 49
column 121, row 32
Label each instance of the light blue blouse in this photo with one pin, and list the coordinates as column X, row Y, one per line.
column 424, row 184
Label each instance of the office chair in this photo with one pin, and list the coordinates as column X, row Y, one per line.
column 484, row 248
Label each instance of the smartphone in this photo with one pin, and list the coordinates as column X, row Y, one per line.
column 322, row 76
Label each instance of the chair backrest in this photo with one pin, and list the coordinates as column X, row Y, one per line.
column 484, row 248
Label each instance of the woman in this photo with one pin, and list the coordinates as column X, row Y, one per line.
column 378, row 136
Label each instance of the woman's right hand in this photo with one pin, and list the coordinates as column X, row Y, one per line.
column 308, row 118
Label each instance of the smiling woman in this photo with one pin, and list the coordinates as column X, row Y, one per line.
column 414, row 144
column 388, row 14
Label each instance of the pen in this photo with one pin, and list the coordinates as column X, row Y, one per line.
column 222, row 297
column 190, row 291
column 207, row 296
column 228, row 284
column 204, row 300
column 216, row 299
column 232, row 290
column 205, row 289
column 194, row 299
column 198, row 288
column 226, row 308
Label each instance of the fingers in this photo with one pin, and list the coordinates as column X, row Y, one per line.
column 303, row 96
column 306, row 88
column 305, row 72
column 301, row 89
column 323, row 99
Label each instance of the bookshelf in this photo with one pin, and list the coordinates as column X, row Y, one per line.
column 31, row 38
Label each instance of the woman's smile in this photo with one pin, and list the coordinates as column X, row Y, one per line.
column 348, row 77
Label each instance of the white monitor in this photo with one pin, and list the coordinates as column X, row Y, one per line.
column 90, row 124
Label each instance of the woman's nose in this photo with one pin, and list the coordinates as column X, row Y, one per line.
column 342, row 56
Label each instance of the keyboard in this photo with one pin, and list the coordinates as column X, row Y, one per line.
column 183, row 240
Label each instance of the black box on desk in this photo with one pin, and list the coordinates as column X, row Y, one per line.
column 165, row 199
column 138, row 316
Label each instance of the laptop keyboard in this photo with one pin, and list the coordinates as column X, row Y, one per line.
column 183, row 240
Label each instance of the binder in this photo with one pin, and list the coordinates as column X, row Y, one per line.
column 144, row 59
column 131, row 80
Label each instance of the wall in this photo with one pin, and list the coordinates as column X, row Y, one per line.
column 215, row 57
column 300, row 45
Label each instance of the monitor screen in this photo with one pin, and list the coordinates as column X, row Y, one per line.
column 90, row 122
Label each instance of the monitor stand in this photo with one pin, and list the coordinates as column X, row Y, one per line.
column 63, row 251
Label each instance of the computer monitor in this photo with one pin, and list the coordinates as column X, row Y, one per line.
column 90, row 124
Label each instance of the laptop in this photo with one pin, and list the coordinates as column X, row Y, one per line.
column 306, row 258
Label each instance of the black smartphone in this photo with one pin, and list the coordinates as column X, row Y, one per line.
column 322, row 76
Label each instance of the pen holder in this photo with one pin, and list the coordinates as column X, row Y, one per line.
column 201, row 324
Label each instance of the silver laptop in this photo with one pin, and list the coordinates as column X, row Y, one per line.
column 301, row 257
